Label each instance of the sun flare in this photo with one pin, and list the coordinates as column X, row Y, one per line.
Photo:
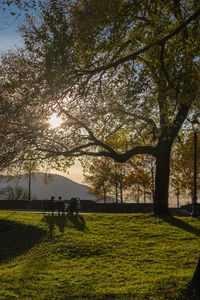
column 55, row 121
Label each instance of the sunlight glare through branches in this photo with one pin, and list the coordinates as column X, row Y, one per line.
column 55, row 121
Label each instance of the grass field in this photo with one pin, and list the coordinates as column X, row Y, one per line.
column 96, row 256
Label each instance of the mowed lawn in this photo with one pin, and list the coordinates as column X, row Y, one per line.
column 96, row 256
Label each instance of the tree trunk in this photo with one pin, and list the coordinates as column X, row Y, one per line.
column 138, row 194
column 104, row 195
column 116, row 192
column 121, row 193
column 153, row 182
column 29, row 190
column 177, row 196
column 144, row 196
column 194, row 286
column 162, row 180
column 29, row 187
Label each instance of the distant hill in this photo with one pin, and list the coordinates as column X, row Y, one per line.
column 58, row 185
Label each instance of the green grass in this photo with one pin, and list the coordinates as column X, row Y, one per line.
column 96, row 256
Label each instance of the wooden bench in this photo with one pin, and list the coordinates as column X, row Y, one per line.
column 62, row 207
column 52, row 206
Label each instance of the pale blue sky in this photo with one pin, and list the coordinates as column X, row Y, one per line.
column 9, row 37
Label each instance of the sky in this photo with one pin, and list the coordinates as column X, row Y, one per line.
column 10, row 38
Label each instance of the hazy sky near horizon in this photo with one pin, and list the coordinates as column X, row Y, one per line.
column 10, row 38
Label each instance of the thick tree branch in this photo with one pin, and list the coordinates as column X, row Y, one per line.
column 149, row 121
column 92, row 137
column 134, row 55
column 74, row 151
column 179, row 119
column 77, row 152
column 163, row 65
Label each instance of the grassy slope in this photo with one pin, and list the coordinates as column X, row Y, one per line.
column 96, row 256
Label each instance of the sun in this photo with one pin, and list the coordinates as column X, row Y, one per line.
column 55, row 121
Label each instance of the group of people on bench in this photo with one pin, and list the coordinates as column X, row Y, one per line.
column 70, row 206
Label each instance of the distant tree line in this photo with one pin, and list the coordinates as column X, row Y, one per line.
column 133, row 179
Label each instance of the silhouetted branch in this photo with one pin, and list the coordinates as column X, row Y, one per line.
column 134, row 55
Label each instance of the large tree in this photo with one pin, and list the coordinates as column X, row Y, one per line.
column 123, row 76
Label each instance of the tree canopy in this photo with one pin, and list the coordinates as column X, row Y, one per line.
column 123, row 76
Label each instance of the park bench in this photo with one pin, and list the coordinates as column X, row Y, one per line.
column 62, row 207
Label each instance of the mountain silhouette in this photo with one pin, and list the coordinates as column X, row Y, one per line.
column 57, row 186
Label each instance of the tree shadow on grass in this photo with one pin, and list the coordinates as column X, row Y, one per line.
column 188, row 292
column 180, row 224
column 62, row 222
column 16, row 238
